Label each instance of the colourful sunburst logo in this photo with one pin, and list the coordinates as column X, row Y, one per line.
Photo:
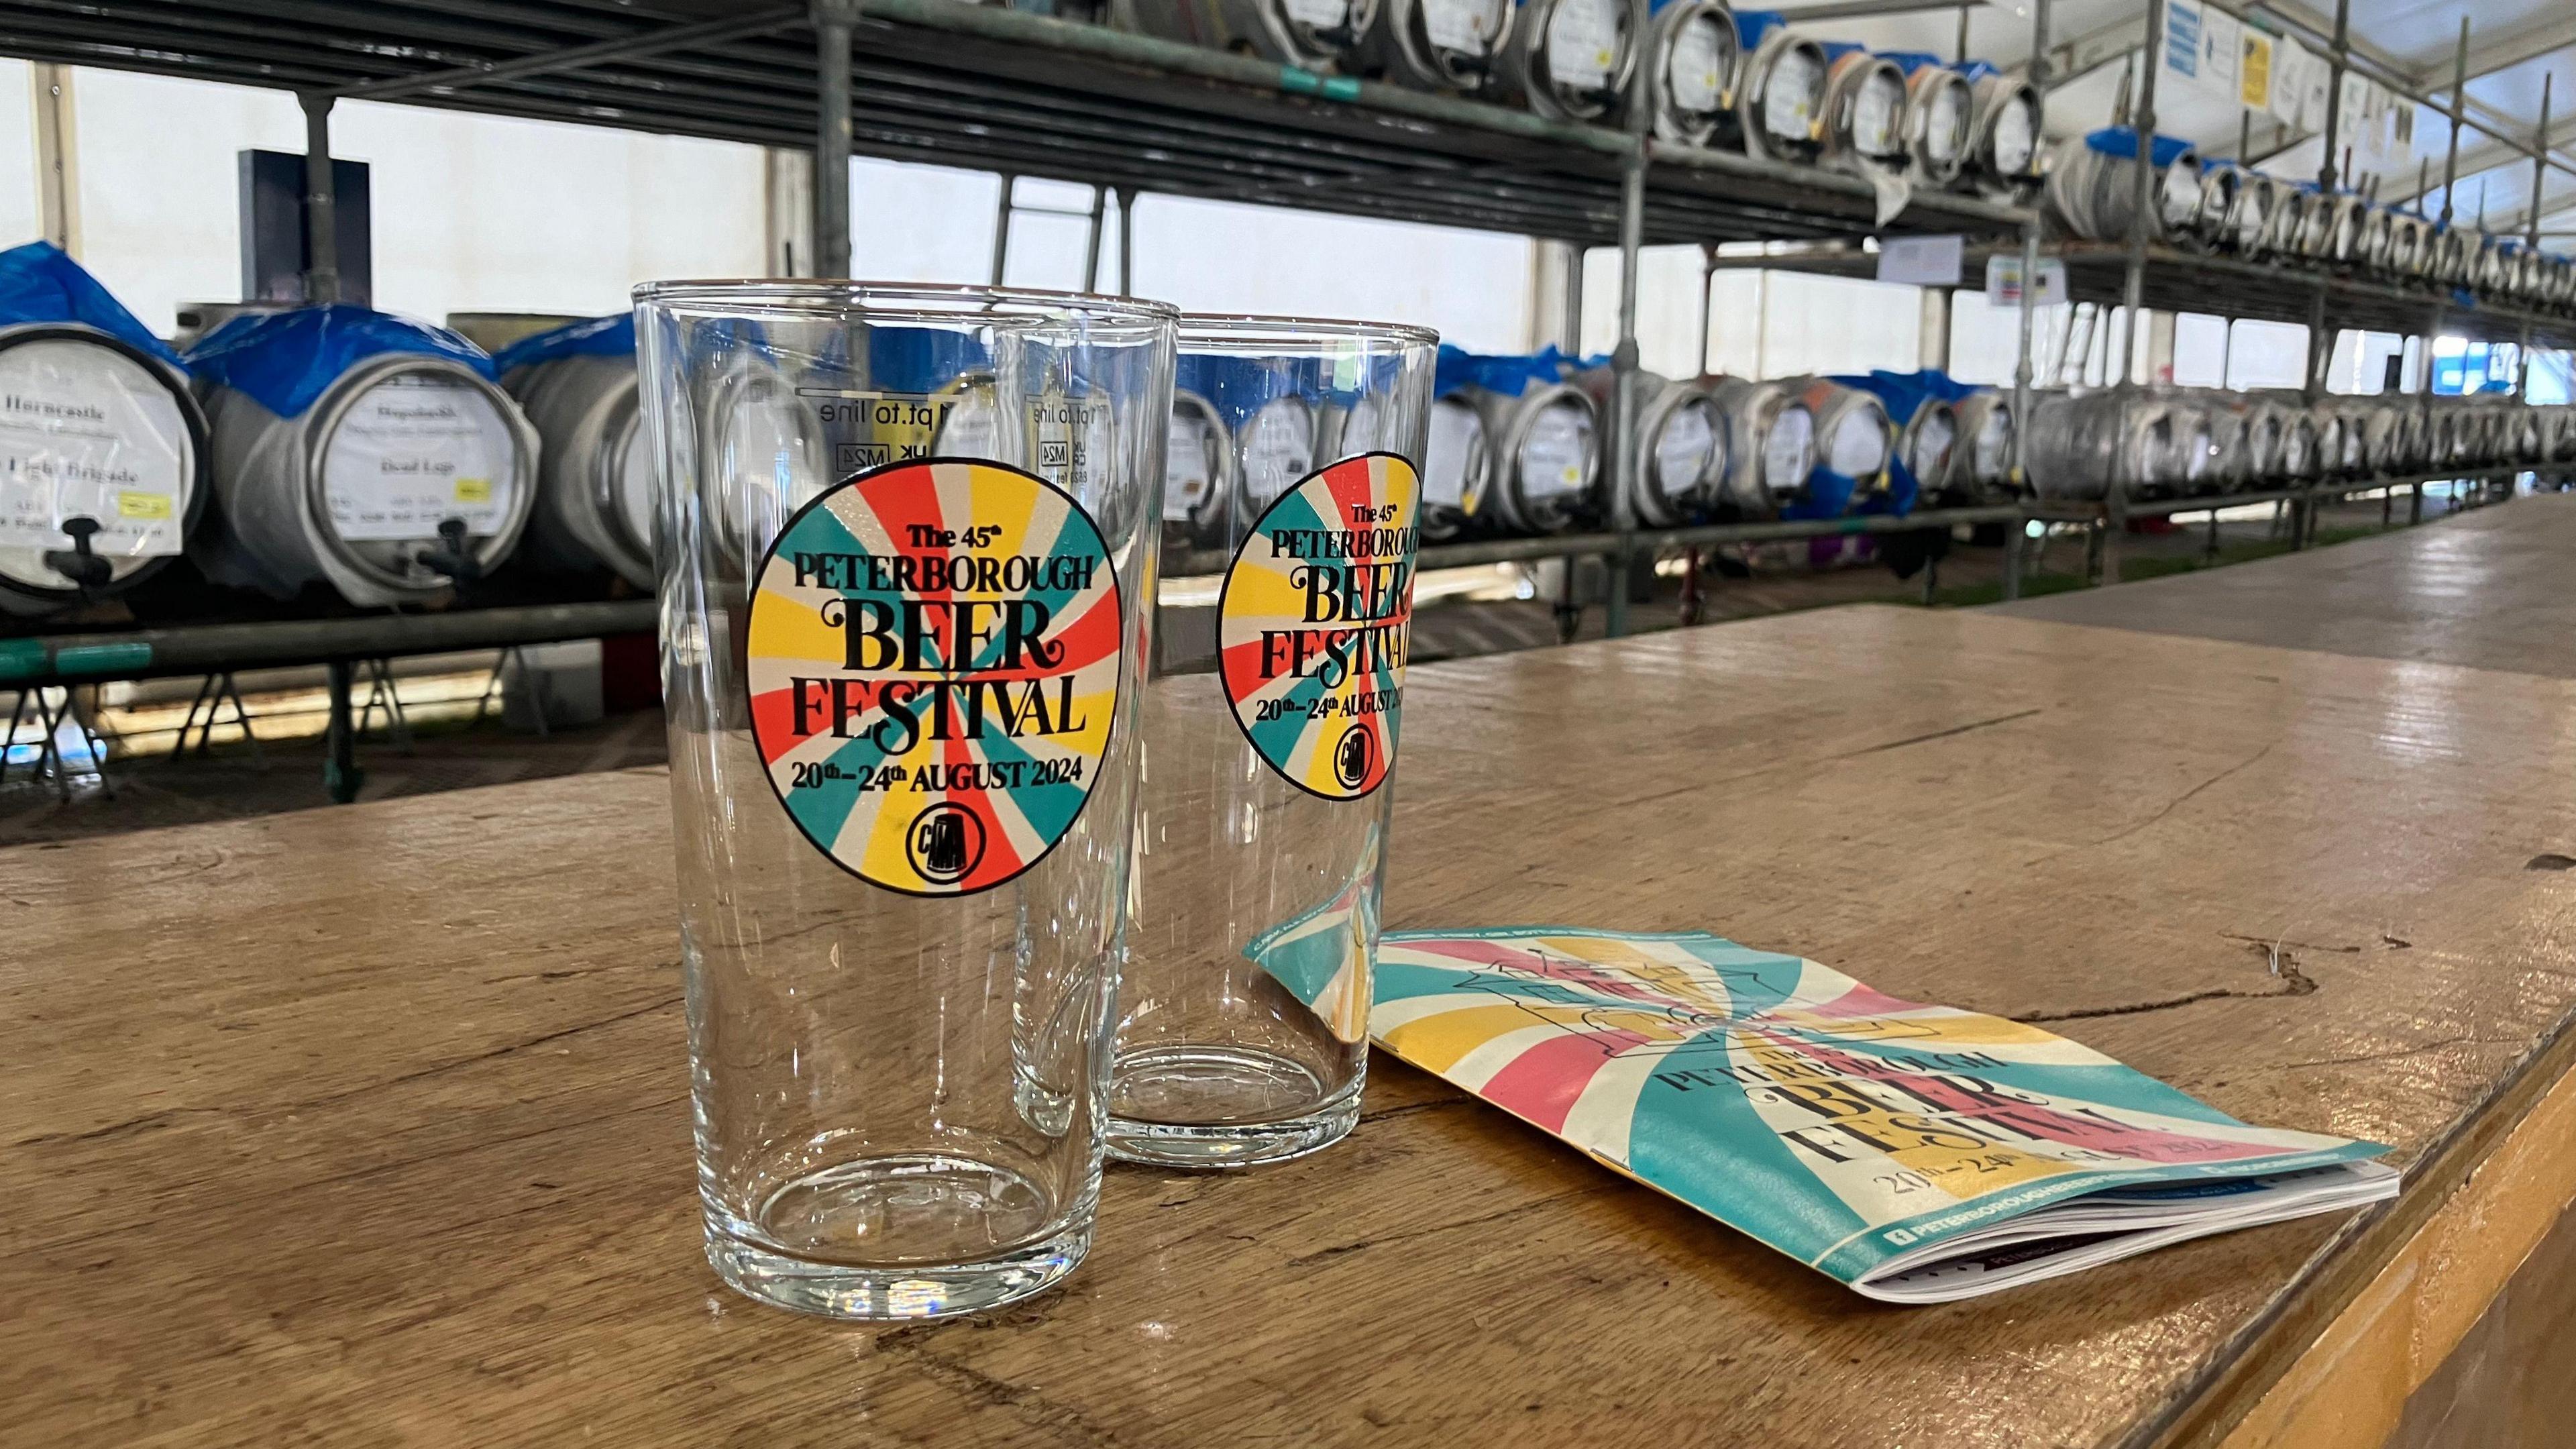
column 1315, row 622
column 933, row 661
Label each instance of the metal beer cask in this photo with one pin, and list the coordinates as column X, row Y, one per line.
column 401, row 475
column 104, row 464
column 595, row 479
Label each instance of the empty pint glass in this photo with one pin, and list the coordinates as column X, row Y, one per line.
column 905, row 536
column 1243, row 1006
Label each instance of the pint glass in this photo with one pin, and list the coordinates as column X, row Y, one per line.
column 905, row 539
column 1243, row 1016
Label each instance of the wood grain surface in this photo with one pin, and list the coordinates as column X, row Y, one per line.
column 369, row 1126
column 2487, row 588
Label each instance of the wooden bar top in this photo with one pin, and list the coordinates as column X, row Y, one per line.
column 2488, row 587
column 369, row 1126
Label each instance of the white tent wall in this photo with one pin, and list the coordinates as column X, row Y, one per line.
column 1781, row 324
column 470, row 213
column 475, row 213
column 1223, row 256
column 889, row 240
column 18, row 216
column 1667, row 307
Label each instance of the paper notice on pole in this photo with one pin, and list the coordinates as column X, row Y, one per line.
column 2222, row 44
column 1920, row 261
column 2254, row 70
column 2003, row 282
column 2182, row 40
column 2289, row 80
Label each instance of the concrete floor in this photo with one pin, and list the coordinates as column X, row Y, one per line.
column 145, row 789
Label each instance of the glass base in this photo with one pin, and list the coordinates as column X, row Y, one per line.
column 1207, row 1106
column 905, row 1195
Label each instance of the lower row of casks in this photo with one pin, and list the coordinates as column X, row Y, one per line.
column 403, row 475
column 2177, row 443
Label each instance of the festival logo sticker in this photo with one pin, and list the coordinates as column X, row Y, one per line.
column 1315, row 621
column 933, row 661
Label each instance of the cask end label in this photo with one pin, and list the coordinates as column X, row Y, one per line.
column 933, row 664
column 1315, row 623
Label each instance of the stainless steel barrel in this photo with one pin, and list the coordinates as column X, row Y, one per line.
column 1544, row 452
column 594, row 506
column 1772, row 438
column 2081, row 443
column 103, row 465
column 1198, row 472
column 1940, row 115
column 2212, row 225
column 1312, row 34
column 2378, row 234
column 1273, row 449
column 354, row 491
column 2094, row 192
column 1854, row 438
column 1692, row 55
column 1568, row 60
column 1981, row 464
column 1457, row 468
column 2408, row 237
column 2004, row 135
column 2231, row 465
column 1780, row 98
column 1441, row 45
column 1681, row 445
column 1864, row 108
column 2302, row 450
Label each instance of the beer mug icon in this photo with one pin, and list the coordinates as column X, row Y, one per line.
column 945, row 842
column 1354, row 756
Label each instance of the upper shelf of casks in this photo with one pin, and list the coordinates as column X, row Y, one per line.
column 2271, row 291
column 991, row 88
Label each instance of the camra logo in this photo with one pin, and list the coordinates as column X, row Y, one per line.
column 1315, row 621
column 933, row 667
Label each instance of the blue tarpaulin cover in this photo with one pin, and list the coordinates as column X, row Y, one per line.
column 1910, row 61
column 610, row 336
column 2122, row 141
column 1238, row 387
column 285, row 360
column 1903, row 394
column 1828, row 494
column 1507, row 373
column 40, row 283
column 920, row 360
column 1752, row 25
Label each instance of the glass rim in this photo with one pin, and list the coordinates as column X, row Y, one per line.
column 892, row 295
column 1320, row 329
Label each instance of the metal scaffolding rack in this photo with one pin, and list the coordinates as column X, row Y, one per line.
column 1027, row 95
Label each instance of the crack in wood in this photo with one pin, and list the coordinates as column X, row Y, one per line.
column 151, row 1119
column 1308, row 1260
column 1031, row 1405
